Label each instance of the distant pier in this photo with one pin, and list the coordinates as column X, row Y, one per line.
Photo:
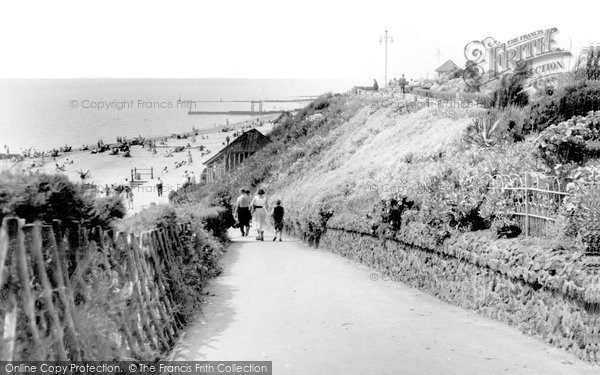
column 256, row 106
column 241, row 113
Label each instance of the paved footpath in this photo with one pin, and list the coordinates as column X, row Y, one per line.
column 312, row 312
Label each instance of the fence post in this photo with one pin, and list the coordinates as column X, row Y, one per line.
column 9, row 335
column 527, row 205
column 37, row 258
column 28, row 299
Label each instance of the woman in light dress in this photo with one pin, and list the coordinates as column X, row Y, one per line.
column 260, row 207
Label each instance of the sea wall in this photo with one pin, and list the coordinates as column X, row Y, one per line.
column 548, row 294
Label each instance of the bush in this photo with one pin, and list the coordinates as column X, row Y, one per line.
column 106, row 211
column 196, row 259
column 46, row 197
column 574, row 99
column 154, row 216
column 216, row 220
column 497, row 126
column 511, row 91
column 574, row 141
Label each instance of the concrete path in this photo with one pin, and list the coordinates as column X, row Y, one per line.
column 313, row 312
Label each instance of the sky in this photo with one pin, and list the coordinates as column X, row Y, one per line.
column 264, row 38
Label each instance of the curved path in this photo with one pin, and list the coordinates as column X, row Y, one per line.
column 313, row 312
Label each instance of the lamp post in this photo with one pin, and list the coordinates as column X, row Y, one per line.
column 385, row 39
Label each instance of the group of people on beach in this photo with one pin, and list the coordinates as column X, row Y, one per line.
column 257, row 208
column 120, row 190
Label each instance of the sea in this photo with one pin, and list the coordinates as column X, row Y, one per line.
column 43, row 114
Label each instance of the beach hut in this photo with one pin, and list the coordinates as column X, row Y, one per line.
column 232, row 155
column 447, row 68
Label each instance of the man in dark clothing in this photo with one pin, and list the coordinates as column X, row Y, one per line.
column 159, row 187
column 242, row 210
column 403, row 84
column 278, row 213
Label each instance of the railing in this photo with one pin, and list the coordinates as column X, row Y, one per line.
column 53, row 278
column 138, row 173
column 533, row 199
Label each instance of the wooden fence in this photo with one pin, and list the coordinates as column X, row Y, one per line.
column 55, row 277
column 533, row 199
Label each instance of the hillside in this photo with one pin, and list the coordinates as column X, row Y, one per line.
column 411, row 190
column 346, row 155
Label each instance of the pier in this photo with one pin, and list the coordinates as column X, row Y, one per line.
column 256, row 106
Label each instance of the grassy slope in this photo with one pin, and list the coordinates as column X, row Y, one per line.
column 345, row 154
column 365, row 159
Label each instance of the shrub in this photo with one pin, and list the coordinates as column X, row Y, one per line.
column 46, row 197
column 196, row 258
column 496, row 126
column 573, row 99
column 106, row 211
column 216, row 220
column 574, row 141
column 154, row 216
column 511, row 91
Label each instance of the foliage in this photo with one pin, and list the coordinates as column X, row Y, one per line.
column 483, row 132
column 496, row 126
column 347, row 166
column 511, row 90
column 573, row 98
column 197, row 257
column 105, row 211
column 46, row 197
column 574, row 141
column 580, row 212
column 154, row 216
column 215, row 220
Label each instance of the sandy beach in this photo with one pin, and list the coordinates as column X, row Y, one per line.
column 105, row 169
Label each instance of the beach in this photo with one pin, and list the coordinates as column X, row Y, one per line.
column 106, row 169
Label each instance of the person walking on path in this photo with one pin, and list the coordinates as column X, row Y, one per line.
column 242, row 212
column 403, row 84
column 159, row 187
column 130, row 198
column 260, row 207
column 247, row 192
column 277, row 215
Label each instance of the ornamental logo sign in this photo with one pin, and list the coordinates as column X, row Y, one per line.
column 537, row 52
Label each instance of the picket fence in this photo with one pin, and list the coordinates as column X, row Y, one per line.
column 49, row 273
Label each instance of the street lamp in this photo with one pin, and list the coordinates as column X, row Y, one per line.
column 385, row 39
